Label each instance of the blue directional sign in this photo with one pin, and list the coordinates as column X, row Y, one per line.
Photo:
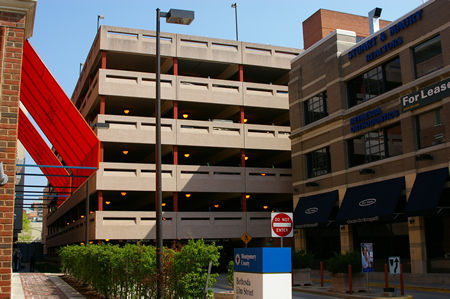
column 262, row 260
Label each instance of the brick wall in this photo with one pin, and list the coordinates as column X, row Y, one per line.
column 11, row 49
column 324, row 21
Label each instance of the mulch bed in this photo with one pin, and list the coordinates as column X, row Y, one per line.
column 82, row 288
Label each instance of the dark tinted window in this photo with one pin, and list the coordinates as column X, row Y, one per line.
column 315, row 108
column 428, row 56
column 318, row 162
column 374, row 82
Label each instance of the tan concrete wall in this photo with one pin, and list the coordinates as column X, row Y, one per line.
column 191, row 178
column 182, row 225
column 131, row 129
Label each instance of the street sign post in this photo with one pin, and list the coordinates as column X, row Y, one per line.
column 282, row 225
column 246, row 238
column 394, row 265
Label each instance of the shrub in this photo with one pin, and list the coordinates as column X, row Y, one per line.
column 302, row 259
column 130, row 271
column 339, row 262
column 191, row 268
column 230, row 273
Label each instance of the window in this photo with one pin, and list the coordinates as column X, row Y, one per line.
column 315, row 108
column 375, row 145
column 430, row 130
column 374, row 82
column 428, row 57
column 318, row 162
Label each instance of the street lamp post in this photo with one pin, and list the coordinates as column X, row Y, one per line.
column 175, row 16
column 234, row 5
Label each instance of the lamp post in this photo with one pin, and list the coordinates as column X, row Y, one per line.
column 175, row 16
column 234, row 5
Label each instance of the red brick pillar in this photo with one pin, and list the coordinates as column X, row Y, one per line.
column 15, row 22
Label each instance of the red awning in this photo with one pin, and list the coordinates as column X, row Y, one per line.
column 56, row 116
column 42, row 154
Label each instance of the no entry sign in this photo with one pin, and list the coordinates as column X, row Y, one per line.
column 282, row 225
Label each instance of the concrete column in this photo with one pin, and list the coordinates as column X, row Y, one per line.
column 102, row 105
column 417, row 245
column 300, row 239
column 346, row 232
column 100, row 201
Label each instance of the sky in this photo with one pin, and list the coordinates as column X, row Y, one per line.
column 65, row 29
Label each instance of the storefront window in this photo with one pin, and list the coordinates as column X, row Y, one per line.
column 430, row 130
column 428, row 57
column 318, row 162
column 375, row 145
column 374, row 82
column 316, row 108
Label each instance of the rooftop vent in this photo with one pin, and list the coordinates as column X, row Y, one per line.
column 374, row 19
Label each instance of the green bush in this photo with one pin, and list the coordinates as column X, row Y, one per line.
column 339, row 262
column 302, row 259
column 230, row 273
column 130, row 271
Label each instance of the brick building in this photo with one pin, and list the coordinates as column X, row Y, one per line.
column 370, row 147
column 16, row 24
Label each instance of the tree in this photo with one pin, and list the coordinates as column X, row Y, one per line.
column 25, row 234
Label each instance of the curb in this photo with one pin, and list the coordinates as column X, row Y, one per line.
column 328, row 293
column 70, row 292
column 407, row 287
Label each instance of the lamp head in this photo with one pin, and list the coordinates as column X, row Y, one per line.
column 180, row 16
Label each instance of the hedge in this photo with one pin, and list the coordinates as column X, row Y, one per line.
column 130, row 271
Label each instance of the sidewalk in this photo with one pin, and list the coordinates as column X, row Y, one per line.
column 419, row 288
column 376, row 287
column 41, row 285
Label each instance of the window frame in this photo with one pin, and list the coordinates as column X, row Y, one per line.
column 436, row 116
column 415, row 58
column 382, row 86
column 308, row 114
column 384, row 143
column 310, row 173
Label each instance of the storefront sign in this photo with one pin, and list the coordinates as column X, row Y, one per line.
column 393, row 30
column 371, row 118
column 426, row 95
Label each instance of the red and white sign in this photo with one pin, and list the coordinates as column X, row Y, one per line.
column 282, row 225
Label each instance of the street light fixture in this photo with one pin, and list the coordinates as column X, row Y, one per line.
column 175, row 16
column 99, row 17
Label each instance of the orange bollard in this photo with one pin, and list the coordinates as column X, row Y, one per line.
column 350, row 291
column 321, row 274
column 402, row 287
column 386, row 284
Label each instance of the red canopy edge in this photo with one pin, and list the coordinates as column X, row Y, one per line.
column 42, row 154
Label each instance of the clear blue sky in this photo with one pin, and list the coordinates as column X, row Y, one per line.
column 64, row 29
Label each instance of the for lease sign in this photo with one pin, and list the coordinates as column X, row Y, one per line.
column 426, row 95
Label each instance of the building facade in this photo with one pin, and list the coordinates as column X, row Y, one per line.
column 225, row 139
column 16, row 24
column 370, row 147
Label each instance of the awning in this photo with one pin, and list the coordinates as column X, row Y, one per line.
column 370, row 202
column 312, row 210
column 426, row 191
column 57, row 116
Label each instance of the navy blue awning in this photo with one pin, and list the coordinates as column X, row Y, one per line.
column 312, row 210
column 370, row 202
column 426, row 191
